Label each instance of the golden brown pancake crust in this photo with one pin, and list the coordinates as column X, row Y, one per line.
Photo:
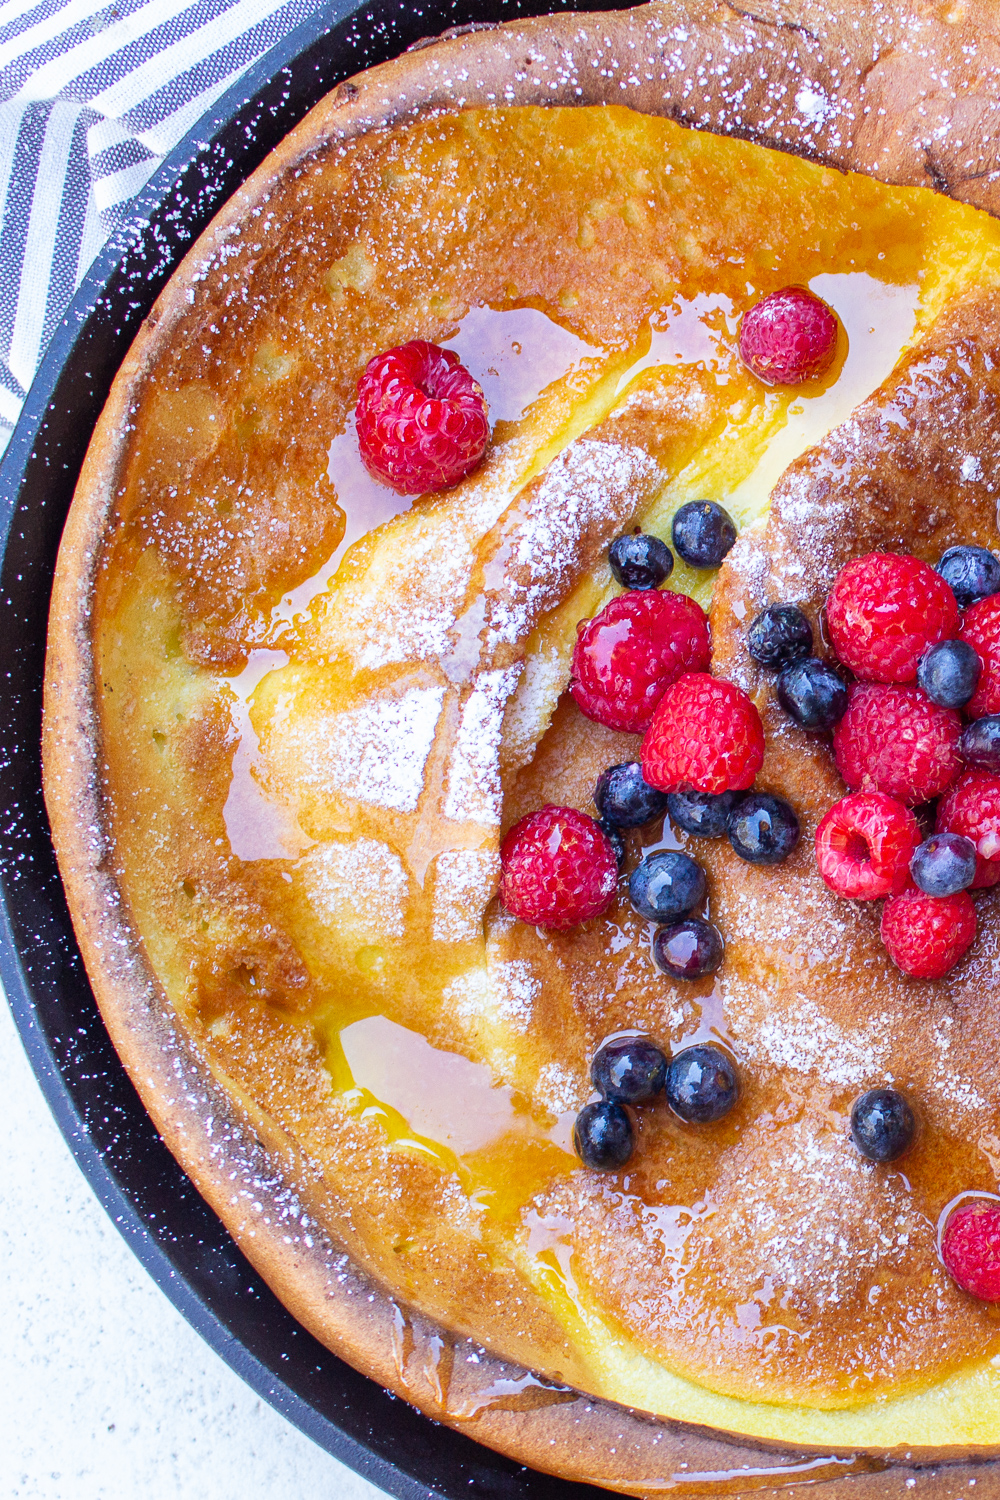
column 814, row 83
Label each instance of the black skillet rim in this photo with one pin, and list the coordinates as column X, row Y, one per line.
column 171, row 1230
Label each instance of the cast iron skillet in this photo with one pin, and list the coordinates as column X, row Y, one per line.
column 176, row 1236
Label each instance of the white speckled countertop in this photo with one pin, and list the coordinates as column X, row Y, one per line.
column 107, row 1393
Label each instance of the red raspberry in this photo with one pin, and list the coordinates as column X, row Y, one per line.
column 627, row 656
column 927, row 935
column 788, row 336
column 987, row 873
column 864, row 845
column 895, row 740
column 970, row 1247
column 421, row 418
column 980, row 627
column 706, row 736
column 557, row 868
column 884, row 611
column 972, row 807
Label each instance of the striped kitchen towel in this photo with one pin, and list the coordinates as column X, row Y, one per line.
column 93, row 95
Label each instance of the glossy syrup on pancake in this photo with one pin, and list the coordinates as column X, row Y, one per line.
column 316, row 731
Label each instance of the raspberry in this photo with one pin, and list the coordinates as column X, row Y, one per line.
column 627, row 656
column 987, row 873
column 980, row 629
column 972, row 808
column 864, row 845
column 927, row 935
column 970, row 1247
column 895, row 740
column 788, row 336
column 421, row 418
column 884, row 611
column 557, row 868
column 706, row 736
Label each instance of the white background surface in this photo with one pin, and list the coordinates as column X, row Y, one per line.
column 105, row 1392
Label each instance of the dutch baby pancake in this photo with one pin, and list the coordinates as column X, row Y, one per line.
column 678, row 1158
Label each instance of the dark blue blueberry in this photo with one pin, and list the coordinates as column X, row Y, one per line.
column 603, row 1136
column 780, row 635
column 944, row 863
column 703, row 813
column 702, row 1084
column 882, row 1125
column 667, row 885
column 703, row 533
column 640, row 561
column 813, row 693
column 764, row 829
column 972, row 573
column 628, row 1070
column 623, row 798
column 949, row 673
column 980, row 743
column 688, row 949
column 613, row 834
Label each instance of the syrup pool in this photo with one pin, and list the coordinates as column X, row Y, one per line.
column 436, row 1099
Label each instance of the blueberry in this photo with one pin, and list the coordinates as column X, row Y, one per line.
column 667, row 885
column 702, row 1084
column 882, row 1124
column 628, row 1070
column 780, row 635
column 640, row 562
column 689, row 949
column 603, row 1136
column 949, row 673
column 613, row 834
column 813, row 693
column 703, row 533
column 703, row 813
column 764, row 829
column 622, row 797
column 972, row 573
column 980, row 743
column 944, row 863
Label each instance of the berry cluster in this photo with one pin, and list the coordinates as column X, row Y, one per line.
column 640, row 665
column 897, row 625
column 700, row 1084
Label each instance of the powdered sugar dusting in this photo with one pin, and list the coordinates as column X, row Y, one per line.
column 464, row 882
column 546, row 673
column 361, row 885
column 410, row 613
column 586, row 486
column 948, row 1081
column 504, row 994
column 474, row 792
column 560, row 1089
column 807, row 1236
column 800, row 1039
column 515, row 988
column 375, row 753
column 813, row 104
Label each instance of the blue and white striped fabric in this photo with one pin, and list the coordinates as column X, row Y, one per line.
column 93, row 95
